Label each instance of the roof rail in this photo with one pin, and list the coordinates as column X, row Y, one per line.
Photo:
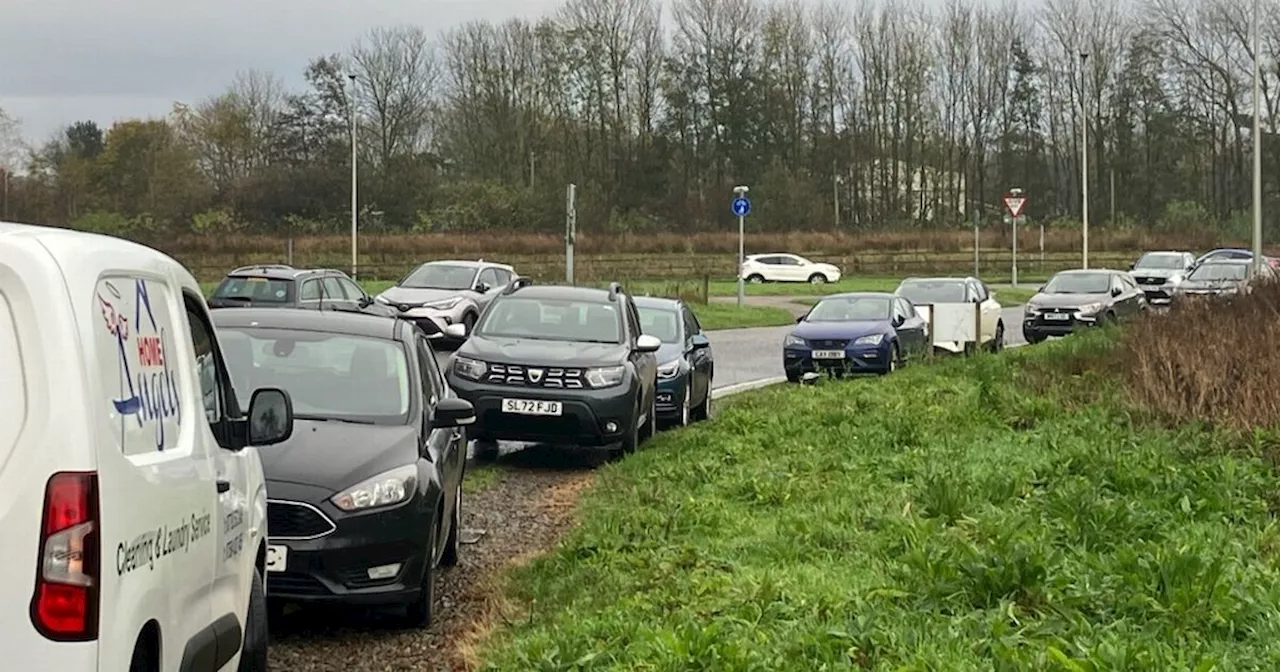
column 516, row 283
column 263, row 267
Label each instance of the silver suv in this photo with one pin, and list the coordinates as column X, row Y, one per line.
column 447, row 292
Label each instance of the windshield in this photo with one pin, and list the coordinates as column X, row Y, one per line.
column 255, row 289
column 441, row 276
column 1220, row 272
column 552, row 320
column 1159, row 260
column 1079, row 283
column 329, row 376
column 850, row 309
column 925, row 292
column 660, row 323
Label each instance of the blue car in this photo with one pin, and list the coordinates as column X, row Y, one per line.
column 858, row 332
column 686, row 366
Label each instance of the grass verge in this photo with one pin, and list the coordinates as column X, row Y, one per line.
column 995, row 513
column 716, row 315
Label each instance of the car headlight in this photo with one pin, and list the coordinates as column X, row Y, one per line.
column 385, row 489
column 670, row 369
column 1032, row 309
column 793, row 341
column 1089, row 308
column 443, row 304
column 469, row 368
column 872, row 339
column 606, row 376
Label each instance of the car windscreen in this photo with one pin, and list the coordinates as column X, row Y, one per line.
column 925, row 292
column 660, row 323
column 441, row 276
column 1159, row 260
column 843, row 309
column 255, row 289
column 1212, row 272
column 1079, row 283
column 552, row 320
column 329, row 376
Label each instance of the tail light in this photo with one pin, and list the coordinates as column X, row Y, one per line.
column 65, row 604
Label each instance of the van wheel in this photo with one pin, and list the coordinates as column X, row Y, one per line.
column 253, row 654
column 418, row 613
column 142, row 660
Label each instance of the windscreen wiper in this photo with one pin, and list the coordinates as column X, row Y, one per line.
column 321, row 418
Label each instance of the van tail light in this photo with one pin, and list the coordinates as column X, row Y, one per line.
column 64, row 607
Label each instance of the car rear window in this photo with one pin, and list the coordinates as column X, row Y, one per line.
column 257, row 289
column 13, row 393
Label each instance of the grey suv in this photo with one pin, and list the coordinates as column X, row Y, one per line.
column 441, row 293
column 559, row 365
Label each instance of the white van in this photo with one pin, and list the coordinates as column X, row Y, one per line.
column 132, row 509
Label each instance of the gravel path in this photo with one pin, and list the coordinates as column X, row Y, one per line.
column 522, row 513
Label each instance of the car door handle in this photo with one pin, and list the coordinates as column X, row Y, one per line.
column 224, row 486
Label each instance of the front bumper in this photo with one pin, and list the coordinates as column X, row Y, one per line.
column 798, row 360
column 333, row 567
column 671, row 393
column 585, row 419
column 1040, row 324
column 1158, row 295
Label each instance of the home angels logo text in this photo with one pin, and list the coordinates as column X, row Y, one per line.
column 148, row 386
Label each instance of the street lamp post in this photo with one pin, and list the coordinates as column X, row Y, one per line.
column 1257, row 144
column 1084, row 166
column 351, row 106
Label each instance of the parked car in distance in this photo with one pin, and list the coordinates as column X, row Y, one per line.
column 438, row 294
column 558, row 365
column 924, row 292
column 364, row 501
column 1223, row 278
column 1081, row 298
column 134, row 537
column 1159, row 273
column 283, row 286
column 781, row 267
column 856, row 332
column 1236, row 253
column 685, row 362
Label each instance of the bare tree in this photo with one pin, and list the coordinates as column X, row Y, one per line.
column 397, row 75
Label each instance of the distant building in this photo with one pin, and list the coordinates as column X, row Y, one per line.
column 932, row 193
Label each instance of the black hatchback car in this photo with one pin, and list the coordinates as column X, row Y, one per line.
column 1081, row 298
column 558, row 365
column 364, row 500
column 283, row 286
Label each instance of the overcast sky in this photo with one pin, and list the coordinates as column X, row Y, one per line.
column 66, row 60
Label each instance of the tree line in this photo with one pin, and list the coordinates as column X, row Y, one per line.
column 841, row 116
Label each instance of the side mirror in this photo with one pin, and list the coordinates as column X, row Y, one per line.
column 1116, row 291
column 270, row 416
column 898, row 320
column 1040, row 289
column 482, row 287
column 1133, row 266
column 366, row 301
column 701, row 341
column 452, row 412
column 647, row 343
column 801, row 318
column 456, row 331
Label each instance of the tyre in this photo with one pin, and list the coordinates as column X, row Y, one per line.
column 755, row 278
column 450, row 556
column 703, row 410
column 686, row 411
column 486, row 450
column 253, row 653
column 632, row 437
column 893, row 360
column 469, row 322
column 418, row 614
column 142, row 660
column 1033, row 338
column 817, row 279
column 997, row 344
column 651, row 425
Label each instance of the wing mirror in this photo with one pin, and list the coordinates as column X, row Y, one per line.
column 1116, row 291
column 701, row 341
column 452, row 412
column 482, row 287
column 365, row 301
column 647, row 343
column 898, row 320
column 270, row 416
column 456, row 331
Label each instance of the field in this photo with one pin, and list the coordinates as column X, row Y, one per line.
column 692, row 257
column 1071, row 506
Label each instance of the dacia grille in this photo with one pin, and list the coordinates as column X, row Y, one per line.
column 561, row 378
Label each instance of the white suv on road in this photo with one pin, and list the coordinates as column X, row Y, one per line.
column 787, row 268
column 132, row 503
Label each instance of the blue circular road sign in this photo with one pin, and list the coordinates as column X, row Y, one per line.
column 741, row 207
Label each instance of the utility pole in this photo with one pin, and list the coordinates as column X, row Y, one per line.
column 835, row 191
column 1112, row 171
column 352, row 113
column 1084, row 165
column 532, row 158
column 977, row 209
column 570, row 230
column 1257, row 143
